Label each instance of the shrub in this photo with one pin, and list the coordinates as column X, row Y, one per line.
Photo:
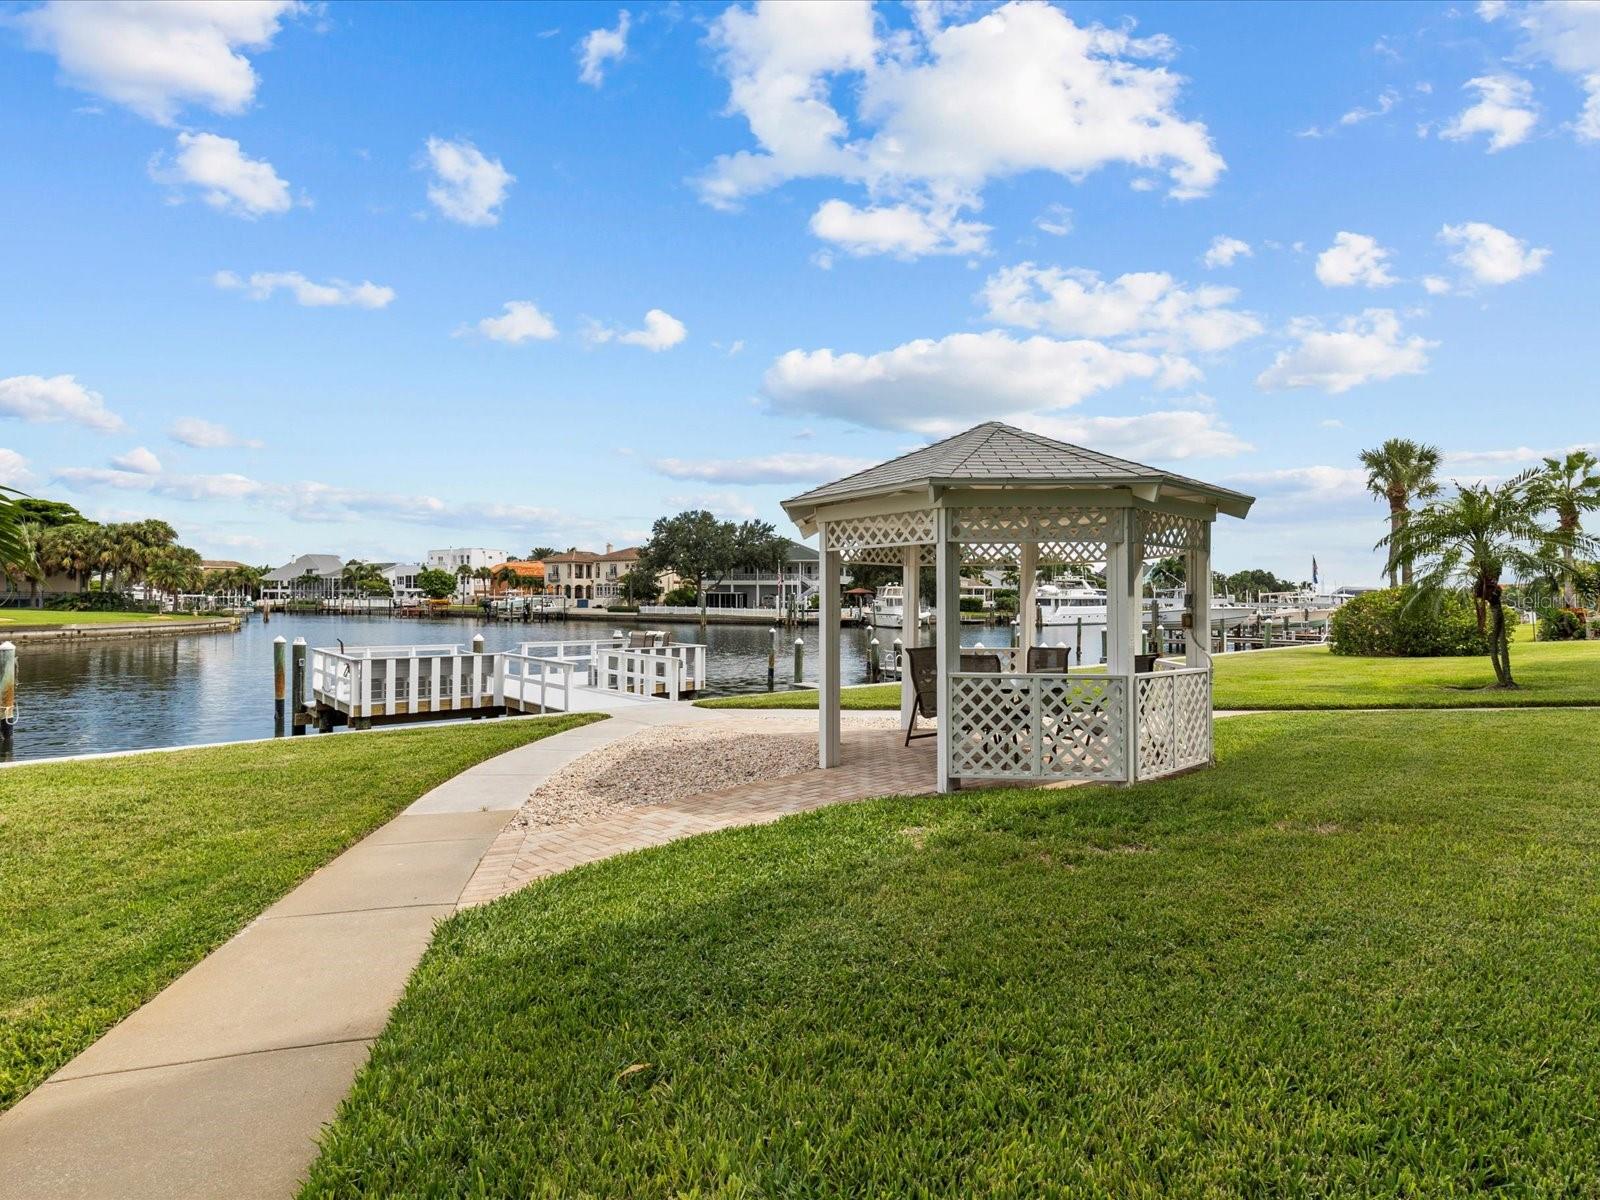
column 1381, row 623
column 971, row 604
column 682, row 596
column 97, row 601
column 1560, row 625
column 622, row 608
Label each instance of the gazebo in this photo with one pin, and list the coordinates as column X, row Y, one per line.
column 994, row 496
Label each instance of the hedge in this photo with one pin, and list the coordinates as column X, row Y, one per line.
column 1386, row 623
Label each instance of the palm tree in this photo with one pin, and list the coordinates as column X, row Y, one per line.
column 18, row 538
column 1569, row 487
column 1401, row 471
column 463, row 573
column 540, row 553
column 1472, row 539
column 509, row 578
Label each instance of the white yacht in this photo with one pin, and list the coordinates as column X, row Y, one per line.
column 889, row 608
column 1075, row 600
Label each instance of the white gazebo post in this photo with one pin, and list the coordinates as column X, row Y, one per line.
column 1122, row 596
column 947, row 637
column 1197, row 569
column 828, row 639
column 910, row 623
column 1027, row 612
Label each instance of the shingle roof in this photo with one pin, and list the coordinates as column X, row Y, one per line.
column 998, row 453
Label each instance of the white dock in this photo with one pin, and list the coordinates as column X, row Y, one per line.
column 361, row 685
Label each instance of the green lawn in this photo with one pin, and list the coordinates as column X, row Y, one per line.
column 43, row 618
column 1550, row 673
column 1357, row 958
column 121, row 873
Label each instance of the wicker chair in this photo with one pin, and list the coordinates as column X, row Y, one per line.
column 924, row 665
column 1049, row 660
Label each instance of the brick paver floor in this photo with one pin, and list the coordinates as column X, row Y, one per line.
column 872, row 763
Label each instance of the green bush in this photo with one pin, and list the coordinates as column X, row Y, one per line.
column 622, row 608
column 1382, row 623
column 682, row 596
column 971, row 604
column 97, row 601
column 1560, row 625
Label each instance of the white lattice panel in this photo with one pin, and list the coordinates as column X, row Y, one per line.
column 1172, row 721
column 994, row 536
column 1037, row 727
column 867, row 539
column 1167, row 533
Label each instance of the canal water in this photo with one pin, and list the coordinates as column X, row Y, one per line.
column 95, row 696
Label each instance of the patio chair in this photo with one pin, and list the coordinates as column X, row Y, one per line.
column 1049, row 660
column 924, row 662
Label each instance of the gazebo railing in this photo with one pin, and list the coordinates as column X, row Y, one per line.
column 1050, row 727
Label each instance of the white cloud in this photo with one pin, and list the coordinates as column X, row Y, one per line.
column 904, row 230
column 177, row 487
column 467, row 186
column 208, row 435
column 1363, row 349
column 787, row 467
column 1319, row 487
column 1505, row 111
column 935, row 115
column 1490, row 255
column 1055, row 220
column 1384, row 104
column 334, row 293
column 730, row 506
column 39, row 401
column 926, row 385
column 1148, row 308
column 1331, row 423
column 661, row 331
column 1565, row 34
column 1354, row 259
column 156, row 56
column 1224, row 251
column 14, row 470
column 1436, row 285
column 227, row 179
column 601, row 46
column 139, row 460
column 522, row 321
column 1163, row 436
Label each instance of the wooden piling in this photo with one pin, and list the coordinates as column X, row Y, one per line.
column 772, row 658
column 280, row 671
column 8, row 697
column 799, row 659
column 874, row 665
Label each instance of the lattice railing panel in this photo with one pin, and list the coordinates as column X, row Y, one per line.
column 1172, row 721
column 1037, row 727
column 1167, row 533
column 864, row 539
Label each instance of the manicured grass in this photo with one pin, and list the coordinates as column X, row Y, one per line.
column 44, row 618
column 1354, row 959
column 121, row 873
column 1549, row 674
column 868, row 696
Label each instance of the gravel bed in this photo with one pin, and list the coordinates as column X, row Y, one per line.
column 658, row 766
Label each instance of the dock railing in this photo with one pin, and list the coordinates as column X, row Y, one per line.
column 524, row 681
column 387, row 681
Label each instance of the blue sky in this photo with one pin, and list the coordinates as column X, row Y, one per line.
column 372, row 279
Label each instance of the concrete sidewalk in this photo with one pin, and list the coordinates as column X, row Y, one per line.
column 221, row 1084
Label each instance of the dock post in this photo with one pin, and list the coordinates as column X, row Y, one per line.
column 1103, row 646
column 297, row 684
column 280, row 670
column 799, row 658
column 1161, row 639
column 897, row 651
column 874, row 664
column 8, row 698
column 772, row 658
column 1080, row 641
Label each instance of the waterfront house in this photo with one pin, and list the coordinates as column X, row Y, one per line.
column 794, row 586
column 402, row 578
column 474, row 558
column 588, row 577
column 308, row 577
column 530, row 577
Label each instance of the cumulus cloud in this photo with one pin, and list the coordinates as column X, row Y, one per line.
column 1489, row 255
column 1319, row 487
column 1056, row 220
column 39, row 401
column 1505, row 111
column 661, row 331
column 1147, row 309
column 466, row 186
column 1565, row 34
column 1362, row 349
column 522, row 321
column 789, row 467
column 336, row 293
column 923, row 386
column 14, row 470
column 226, row 178
column 208, row 435
column 935, row 113
column 1354, row 259
column 154, row 56
column 602, row 46
column 139, row 460
column 1169, row 436
column 1384, row 104
column 903, row 230
column 1436, row 285
column 1225, row 251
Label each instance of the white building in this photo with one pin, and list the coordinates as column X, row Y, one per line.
column 308, row 577
column 402, row 577
column 474, row 558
